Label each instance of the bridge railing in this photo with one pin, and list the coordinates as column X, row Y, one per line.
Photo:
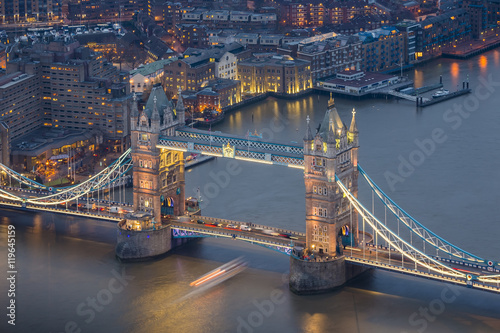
column 239, row 234
column 83, row 212
column 253, row 225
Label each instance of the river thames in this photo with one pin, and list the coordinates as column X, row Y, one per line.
column 450, row 184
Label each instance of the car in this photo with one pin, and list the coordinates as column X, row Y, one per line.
column 200, row 222
column 245, row 228
column 114, row 209
column 91, row 206
column 288, row 236
column 231, row 227
column 270, row 232
column 211, row 224
column 220, row 224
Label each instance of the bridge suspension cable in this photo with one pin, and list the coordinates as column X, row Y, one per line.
column 396, row 242
column 103, row 179
column 21, row 179
column 416, row 227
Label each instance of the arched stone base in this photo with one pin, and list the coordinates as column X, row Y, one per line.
column 141, row 245
column 314, row 277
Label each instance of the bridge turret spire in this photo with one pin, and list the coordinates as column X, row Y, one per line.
column 179, row 108
column 353, row 128
column 134, row 114
column 135, row 110
column 353, row 133
column 331, row 132
column 156, row 114
column 308, row 136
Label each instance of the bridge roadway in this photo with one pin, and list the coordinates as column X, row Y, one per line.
column 278, row 239
column 381, row 259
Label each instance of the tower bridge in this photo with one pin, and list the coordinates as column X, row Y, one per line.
column 342, row 239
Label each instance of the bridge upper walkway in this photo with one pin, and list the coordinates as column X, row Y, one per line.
column 233, row 146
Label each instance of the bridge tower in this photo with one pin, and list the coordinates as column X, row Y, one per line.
column 158, row 175
column 333, row 150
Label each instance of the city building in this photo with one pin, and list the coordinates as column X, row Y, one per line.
column 20, row 95
column 79, row 91
column 327, row 54
column 148, row 74
column 189, row 73
column 207, row 99
column 217, row 95
column 157, row 49
column 192, row 35
column 220, row 37
column 478, row 15
column 279, row 73
column 410, row 29
column 343, row 12
column 318, row 13
column 442, row 31
column 382, row 49
column 229, row 91
column 225, row 57
column 357, row 83
column 293, row 14
column 98, row 10
column 226, row 19
column 172, row 14
column 13, row 11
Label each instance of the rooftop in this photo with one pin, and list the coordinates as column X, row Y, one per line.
column 367, row 79
column 273, row 60
column 150, row 68
column 42, row 139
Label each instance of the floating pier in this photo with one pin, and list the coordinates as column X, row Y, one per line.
column 422, row 103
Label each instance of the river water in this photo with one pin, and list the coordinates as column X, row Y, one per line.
column 439, row 164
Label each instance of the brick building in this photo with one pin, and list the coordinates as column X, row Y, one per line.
column 280, row 74
column 327, row 54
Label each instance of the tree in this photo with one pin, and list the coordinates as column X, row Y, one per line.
column 132, row 56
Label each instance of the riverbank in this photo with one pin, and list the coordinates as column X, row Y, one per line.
column 472, row 48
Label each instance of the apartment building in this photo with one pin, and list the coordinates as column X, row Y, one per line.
column 276, row 73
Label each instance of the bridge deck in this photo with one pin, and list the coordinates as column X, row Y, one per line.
column 408, row 269
column 281, row 240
